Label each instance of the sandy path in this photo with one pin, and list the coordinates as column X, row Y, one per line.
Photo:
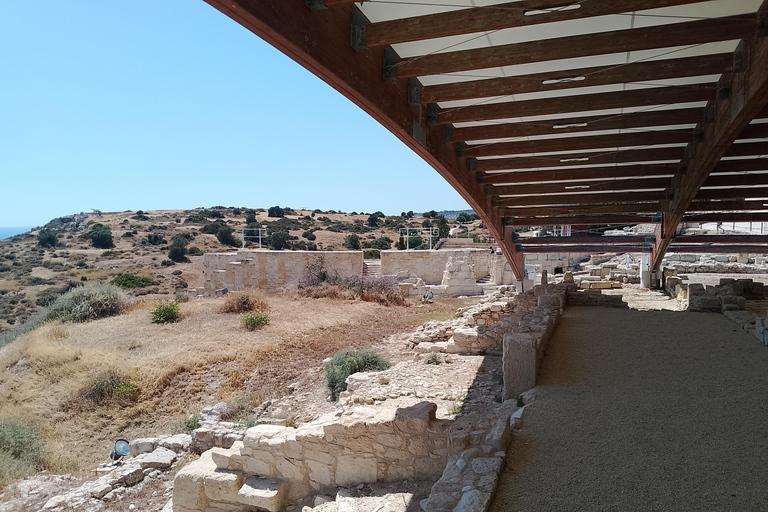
column 671, row 418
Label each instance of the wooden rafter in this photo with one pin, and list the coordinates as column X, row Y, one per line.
column 581, row 159
column 569, row 199
column 562, row 126
column 574, row 78
column 584, row 220
column 582, row 103
column 585, row 45
column 727, row 217
column 588, row 186
column 497, row 17
column 580, row 240
column 582, row 209
column 634, row 139
column 624, row 171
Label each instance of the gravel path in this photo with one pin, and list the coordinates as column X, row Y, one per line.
column 671, row 417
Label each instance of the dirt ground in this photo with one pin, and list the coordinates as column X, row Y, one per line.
column 180, row 368
column 643, row 410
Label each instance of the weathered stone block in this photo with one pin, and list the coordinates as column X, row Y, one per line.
column 263, row 493
column 352, row 470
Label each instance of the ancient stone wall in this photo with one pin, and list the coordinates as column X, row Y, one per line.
column 271, row 270
column 429, row 265
column 362, row 446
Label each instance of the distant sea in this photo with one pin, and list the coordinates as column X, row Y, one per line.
column 9, row 232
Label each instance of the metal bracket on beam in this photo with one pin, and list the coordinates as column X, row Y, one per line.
column 357, row 29
column 741, row 58
column 414, row 92
column 432, row 111
column 391, row 58
column 480, row 178
column 448, row 133
column 316, row 5
column 709, row 113
column 461, row 149
column 488, row 190
column 723, row 91
column 472, row 165
column 501, row 212
column 762, row 24
column 494, row 201
column 420, row 133
column 690, row 151
column 698, row 133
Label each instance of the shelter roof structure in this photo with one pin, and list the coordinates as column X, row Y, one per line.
column 557, row 112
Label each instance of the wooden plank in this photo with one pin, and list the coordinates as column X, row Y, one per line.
column 585, row 186
column 748, row 96
column 544, row 249
column 721, row 239
column 755, row 164
column 579, row 124
column 738, row 180
column 497, row 17
column 583, row 209
column 593, row 220
column 571, row 199
column 580, row 103
column 581, row 159
column 747, row 149
column 727, row 206
column 575, row 78
column 624, row 171
column 732, row 193
column 726, row 217
column 583, row 45
column 718, row 249
column 581, row 240
column 623, row 140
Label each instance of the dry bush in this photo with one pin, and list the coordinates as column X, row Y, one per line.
column 57, row 333
column 326, row 291
column 244, row 303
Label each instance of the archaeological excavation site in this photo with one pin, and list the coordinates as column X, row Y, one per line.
column 599, row 341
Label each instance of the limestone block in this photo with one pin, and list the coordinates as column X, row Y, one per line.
column 520, row 362
column 223, row 485
column 177, row 443
column 473, row 501
column 259, row 467
column 415, row 419
column 601, row 285
column 142, row 445
column 319, row 473
column 160, row 458
column 263, row 493
column 352, row 470
column 188, row 486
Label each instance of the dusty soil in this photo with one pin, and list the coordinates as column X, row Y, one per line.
column 179, row 368
column 643, row 410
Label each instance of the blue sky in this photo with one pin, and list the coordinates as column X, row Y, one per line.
column 147, row 105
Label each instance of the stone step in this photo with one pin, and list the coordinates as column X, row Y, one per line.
column 263, row 493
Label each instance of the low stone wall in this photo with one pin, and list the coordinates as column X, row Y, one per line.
column 729, row 295
column 271, row 270
column 363, row 445
column 594, row 298
column 429, row 266
column 551, row 261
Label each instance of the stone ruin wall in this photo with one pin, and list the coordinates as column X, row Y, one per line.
column 430, row 265
column 270, row 270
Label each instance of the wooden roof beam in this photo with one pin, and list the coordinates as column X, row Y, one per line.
column 582, row 209
column 575, row 78
column 718, row 249
column 572, row 199
column 584, row 220
column 634, row 139
column 580, row 103
column 498, row 17
column 727, row 217
column 583, row 45
column 580, row 159
column 727, row 206
column 586, row 186
column 543, row 249
column 624, row 171
column 577, row 124
column 580, row 240
column 721, row 239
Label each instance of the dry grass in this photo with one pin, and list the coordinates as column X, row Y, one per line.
column 243, row 303
column 179, row 368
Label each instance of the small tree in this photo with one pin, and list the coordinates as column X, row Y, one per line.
column 178, row 252
column 250, row 218
column 279, row 240
column 101, row 237
column 426, row 224
column 275, row 211
column 47, row 238
column 352, row 242
column 224, row 236
column 373, row 220
column 443, row 227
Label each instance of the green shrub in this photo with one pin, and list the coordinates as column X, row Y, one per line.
column 372, row 254
column 110, row 384
column 224, row 236
column 47, row 238
column 132, row 281
column 255, row 320
column 194, row 251
column 4, row 268
column 88, row 302
column 167, row 263
column 100, row 236
column 166, row 313
column 21, row 451
column 188, row 425
column 178, row 253
column 155, row 239
column 347, row 362
column 47, row 297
